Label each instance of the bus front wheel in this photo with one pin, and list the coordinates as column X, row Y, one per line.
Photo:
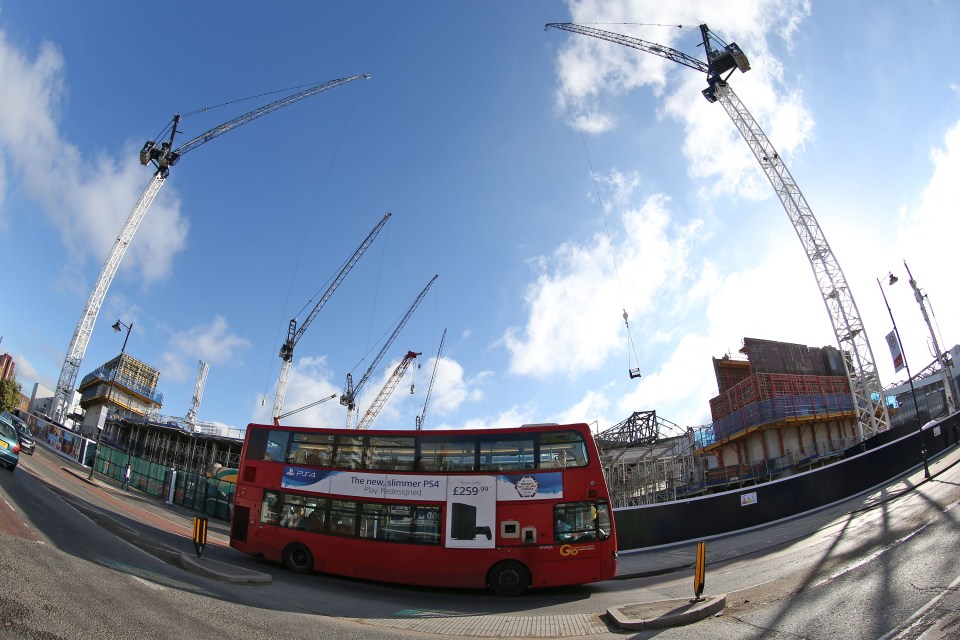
column 297, row 558
column 508, row 578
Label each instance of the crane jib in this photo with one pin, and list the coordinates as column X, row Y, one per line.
column 165, row 156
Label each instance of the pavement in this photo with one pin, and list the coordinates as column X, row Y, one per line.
column 643, row 563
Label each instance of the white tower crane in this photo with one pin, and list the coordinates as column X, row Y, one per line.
column 859, row 363
column 191, row 417
column 294, row 334
column 433, row 377
column 163, row 157
column 387, row 391
column 349, row 397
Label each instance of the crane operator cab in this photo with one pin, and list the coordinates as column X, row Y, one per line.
column 721, row 61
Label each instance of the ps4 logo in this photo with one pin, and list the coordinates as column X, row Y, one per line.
column 301, row 474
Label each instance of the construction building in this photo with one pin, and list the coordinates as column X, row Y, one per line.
column 121, row 388
column 781, row 408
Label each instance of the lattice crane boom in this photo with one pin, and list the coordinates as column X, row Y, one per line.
column 386, row 391
column 202, row 369
column 349, row 397
column 163, row 157
column 294, row 333
column 860, row 367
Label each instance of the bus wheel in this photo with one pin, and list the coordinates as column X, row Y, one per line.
column 508, row 578
column 297, row 558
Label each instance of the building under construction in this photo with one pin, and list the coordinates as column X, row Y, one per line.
column 781, row 408
column 121, row 388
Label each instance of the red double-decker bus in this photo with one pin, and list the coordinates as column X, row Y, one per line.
column 505, row 509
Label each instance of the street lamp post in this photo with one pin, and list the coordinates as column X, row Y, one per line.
column 945, row 374
column 113, row 380
column 913, row 391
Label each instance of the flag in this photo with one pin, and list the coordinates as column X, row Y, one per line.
column 895, row 352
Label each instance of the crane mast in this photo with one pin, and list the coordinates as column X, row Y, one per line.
column 349, row 397
column 859, row 364
column 191, row 417
column 163, row 157
column 294, row 333
column 386, row 391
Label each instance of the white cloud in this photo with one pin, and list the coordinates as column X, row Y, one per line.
column 213, row 343
column 311, row 382
column 87, row 197
column 576, row 303
column 590, row 67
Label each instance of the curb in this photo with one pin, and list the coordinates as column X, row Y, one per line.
column 222, row 571
column 665, row 613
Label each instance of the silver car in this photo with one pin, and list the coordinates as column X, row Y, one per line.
column 27, row 441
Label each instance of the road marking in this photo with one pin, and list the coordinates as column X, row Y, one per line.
column 917, row 618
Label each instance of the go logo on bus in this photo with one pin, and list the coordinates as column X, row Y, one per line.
column 570, row 550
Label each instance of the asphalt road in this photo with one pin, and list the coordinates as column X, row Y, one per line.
column 85, row 560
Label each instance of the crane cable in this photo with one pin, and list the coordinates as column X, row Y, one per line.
column 634, row 371
column 306, row 235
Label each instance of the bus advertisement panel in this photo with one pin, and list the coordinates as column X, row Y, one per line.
column 505, row 509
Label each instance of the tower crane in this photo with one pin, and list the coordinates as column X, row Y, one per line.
column 163, row 157
column 191, row 417
column 294, row 333
column 386, row 391
column 433, row 376
column 349, row 397
column 860, row 367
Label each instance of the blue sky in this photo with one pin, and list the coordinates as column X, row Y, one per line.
column 520, row 165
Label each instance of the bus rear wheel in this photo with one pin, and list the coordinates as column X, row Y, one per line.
column 508, row 578
column 297, row 558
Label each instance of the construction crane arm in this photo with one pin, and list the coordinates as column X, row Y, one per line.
column 726, row 58
column 348, row 265
column 165, row 156
column 386, row 391
column 872, row 415
column 349, row 396
column 294, row 334
column 649, row 47
column 433, row 376
column 277, row 419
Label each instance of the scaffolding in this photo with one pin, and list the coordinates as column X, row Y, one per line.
column 643, row 468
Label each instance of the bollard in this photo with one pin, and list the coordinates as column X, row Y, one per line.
column 199, row 534
column 699, row 573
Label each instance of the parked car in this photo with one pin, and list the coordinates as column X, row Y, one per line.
column 27, row 442
column 9, row 445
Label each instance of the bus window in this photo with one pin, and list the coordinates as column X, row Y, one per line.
column 270, row 510
column 316, row 514
column 392, row 454
column 447, row 455
column 349, row 452
column 276, row 450
column 562, row 450
column 311, row 448
column 343, row 517
column 576, row 522
column 604, row 525
column 373, row 521
column 426, row 524
column 294, row 512
column 506, row 455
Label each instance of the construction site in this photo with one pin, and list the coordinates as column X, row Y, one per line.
column 781, row 409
